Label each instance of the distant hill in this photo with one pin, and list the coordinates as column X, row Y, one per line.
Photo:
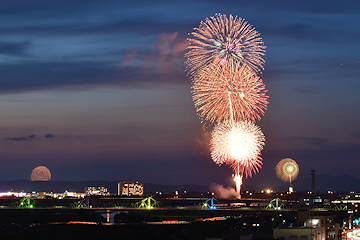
column 54, row 186
column 79, row 186
column 323, row 183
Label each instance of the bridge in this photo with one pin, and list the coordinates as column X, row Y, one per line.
column 124, row 204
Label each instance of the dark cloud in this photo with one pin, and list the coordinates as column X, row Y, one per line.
column 23, row 7
column 305, row 6
column 309, row 6
column 356, row 135
column 306, row 89
column 85, row 29
column 14, row 48
column 310, row 140
column 63, row 20
column 28, row 137
column 298, row 30
column 291, row 33
column 17, row 138
column 161, row 52
column 167, row 62
column 49, row 74
column 21, row 138
column 321, row 6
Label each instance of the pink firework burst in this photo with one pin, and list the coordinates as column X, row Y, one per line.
column 221, row 40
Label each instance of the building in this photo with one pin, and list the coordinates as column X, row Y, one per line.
column 294, row 233
column 323, row 223
column 130, row 189
column 97, row 191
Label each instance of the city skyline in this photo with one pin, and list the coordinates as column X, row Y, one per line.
column 100, row 92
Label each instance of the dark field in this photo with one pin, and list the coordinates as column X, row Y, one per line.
column 53, row 224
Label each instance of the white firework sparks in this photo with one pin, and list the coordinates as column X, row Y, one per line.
column 238, row 144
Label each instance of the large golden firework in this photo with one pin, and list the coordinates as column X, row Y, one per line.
column 228, row 92
column 225, row 40
column 287, row 170
column 40, row 173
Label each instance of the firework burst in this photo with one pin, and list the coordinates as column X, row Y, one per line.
column 239, row 145
column 40, row 173
column 226, row 92
column 225, row 40
column 224, row 56
column 287, row 170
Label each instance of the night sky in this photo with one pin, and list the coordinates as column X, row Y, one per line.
column 98, row 90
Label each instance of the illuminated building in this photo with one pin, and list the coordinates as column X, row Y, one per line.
column 13, row 194
column 97, row 191
column 71, row 194
column 130, row 189
column 324, row 224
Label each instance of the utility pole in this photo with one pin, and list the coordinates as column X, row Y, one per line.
column 313, row 189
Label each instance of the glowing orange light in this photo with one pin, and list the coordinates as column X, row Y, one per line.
column 287, row 170
column 40, row 173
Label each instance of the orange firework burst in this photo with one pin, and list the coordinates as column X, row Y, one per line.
column 238, row 144
column 221, row 39
column 287, row 170
column 225, row 92
column 40, row 173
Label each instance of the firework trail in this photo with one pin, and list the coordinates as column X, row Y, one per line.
column 287, row 170
column 227, row 93
column 238, row 183
column 40, row 173
column 239, row 145
column 225, row 40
